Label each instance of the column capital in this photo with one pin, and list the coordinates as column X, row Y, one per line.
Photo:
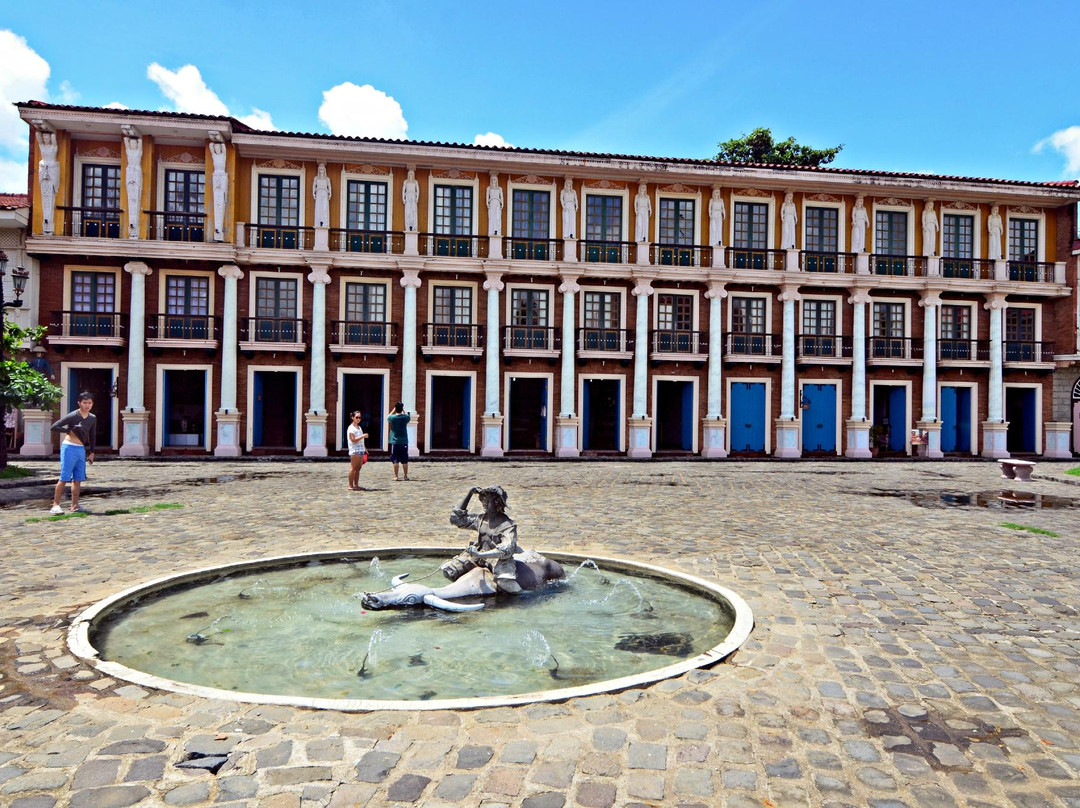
column 643, row 285
column 410, row 279
column 137, row 268
column 717, row 289
column 569, row 282
column 789, row 292
column 230, row 271
column 320, row 273
column 995, row 301
column 859, row 295
column 930, row 298
column 494, row 281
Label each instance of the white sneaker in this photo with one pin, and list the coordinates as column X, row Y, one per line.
column 56, row 509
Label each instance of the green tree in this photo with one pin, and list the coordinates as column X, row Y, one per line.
column 759, row 147
column 20, row 385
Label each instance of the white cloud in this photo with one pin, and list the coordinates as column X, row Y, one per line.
column 68, row 94
column 186, row 89
column 22, row 78
column 13, row 176
column 1067, row 143
column 116, row 105
column 491, row 139
column 258, row 119
column 362, row 112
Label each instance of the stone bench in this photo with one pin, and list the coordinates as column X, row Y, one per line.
column 1016, row 469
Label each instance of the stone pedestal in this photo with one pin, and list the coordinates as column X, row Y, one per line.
column 491, row 428
column 718, row 257
column 228, row 433
column 413, row 428
column 136, row 432
column 566, row 436
column 37, row 439
column 994, row 439
column 933, row 438
column 933, row 266
column 862, row 264
column 315, row 434
column 642, row 249
column 714, row 438
column 1001, row 270
column 1057, row 435
column 322, row 238
column 640, row 438
column 412, row 244
column 495, row 247
column 788, row 438
column 569, row 250
column 791, row 260
column 858, row 439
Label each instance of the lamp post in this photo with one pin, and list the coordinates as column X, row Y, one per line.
column 19, row 277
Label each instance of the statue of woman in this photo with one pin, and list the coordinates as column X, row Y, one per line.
column 717, row 213
column 496, row 539
column 860, row 220
column 320, row 189
column 48, row 178
column 133, row 178
column 568, row 197
column 788, row 218
column 410, row 195
column 642, row 212
column 994, row 225
column 220, row 183
column 929, row 229
column 494, row 206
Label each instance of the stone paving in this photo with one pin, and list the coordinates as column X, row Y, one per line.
column 902, row 656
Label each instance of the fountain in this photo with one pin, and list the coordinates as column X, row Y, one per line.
column 344, row 630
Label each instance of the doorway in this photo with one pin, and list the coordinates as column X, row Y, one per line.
column 746, row 402
column 274, row 410
column 364, row 392
column 99, row 383
column 674, row 416
column 600, row 415
column 818, row 409
column 183, row 408
column 955, row 420
column 890, row 418
column 1021, row 411
column 528, row 414
column 451, row 416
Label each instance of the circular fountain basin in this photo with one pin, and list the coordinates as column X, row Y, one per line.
column 292, row 630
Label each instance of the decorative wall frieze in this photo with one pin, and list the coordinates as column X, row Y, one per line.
column 753, row 192
column 679, row 188
column 959, row 205
column 187, row 158
column 895, row 202
column 278, row 162
column 607, row 185
column 532, row 179
column 98, row 151
column 823, row 198
column 453, row 174
column 366, row 168
column 1024, row 209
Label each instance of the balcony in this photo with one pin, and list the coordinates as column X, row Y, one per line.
column 531, row 341
column 680, row 255
column 910, row 266
column 280, row 237
column 744, row 346
column 273, row 334
column 172, row 226
column 823, row 349
column 978, row 269
column 88, row 328
column 453, row 339
column 963, row 352
column 182, row 331
column 448, row 245
column 1026, row 353
column 88, row 222
column 678, row 345
column 741, row 258
column 1031, row 271
column 607, row 252
column 894, row 351
column 363, row 336
column 605, row 343
column 367, row 241
column 534, row 249
column 833, row 262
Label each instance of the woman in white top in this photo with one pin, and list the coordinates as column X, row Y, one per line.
column 357, row 451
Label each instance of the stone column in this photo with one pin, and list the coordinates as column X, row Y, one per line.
column 135, row 418
column 567, row 423
column 929, row 422
column 316, row 416
column 640, row 422
column 715, row 425
column 788, row 427
column 995, row 427
column 858, row 427
column 410, row 281
column 228, row 416
column 491, row 422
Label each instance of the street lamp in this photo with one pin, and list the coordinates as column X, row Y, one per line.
column 19, row 276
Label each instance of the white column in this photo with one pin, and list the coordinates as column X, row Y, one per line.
column 227, row 416
column 929, row 424
column 858, row 427
column 316, row 417
column 567, row 422
column 491, row 423
column 135, row 418
column 410, row 281
column 788, row 428
column 640, row 422
column 715, row 426
column 995, row 428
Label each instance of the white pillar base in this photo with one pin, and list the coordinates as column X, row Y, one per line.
column 640, row 437
column 315, row 435
column 412, row 244
column 37, row 439
column 994, row 439
column 228, row 434
column 714, row 438
column 322, row 238
column 495, row 247
column 569, row 250
column 858, row 439
column 136, row 428
column 788, row 438
column 491, row 428
column 566, row 436
column 413, row 428
column 718, row 253
column 791, row 260
column 642, row 248
column 1057, row 436
column 933, row 266
column 862, row 264
column 933, row 438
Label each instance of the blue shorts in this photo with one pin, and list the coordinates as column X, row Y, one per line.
column 399, row 453
column 72, row 463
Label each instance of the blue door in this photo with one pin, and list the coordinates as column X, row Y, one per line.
column 747, row 417
column 600, row 418
column 819, row 417
column 1021, row 414
column 898, row 419
column 257, row 415
column 956, row 419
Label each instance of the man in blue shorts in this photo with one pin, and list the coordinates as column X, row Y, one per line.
column 80, row 435
column 399, row 438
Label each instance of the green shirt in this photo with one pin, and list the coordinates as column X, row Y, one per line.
column 398, row 432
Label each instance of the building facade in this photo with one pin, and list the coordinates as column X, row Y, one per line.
column 229, row 291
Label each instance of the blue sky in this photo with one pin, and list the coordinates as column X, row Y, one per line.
column 987, row 89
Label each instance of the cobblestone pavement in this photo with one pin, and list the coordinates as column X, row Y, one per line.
column 903, row 655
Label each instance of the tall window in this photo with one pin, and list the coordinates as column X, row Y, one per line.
column 1020, row 344
column 185, row 205
column 528, row 318
column 93, row 304
column 531, row 217
column 453, row 210
column 279, row 211
column 675, row 323
column 100, row 216
column 276, row 310
column 957, row 245
column 954, row 340
column 365, row 216
column 187, row 307
column 677, row 217
column 1023, row 249
column 600, row 332
column 748, row 325
column 365, row 313
column 819, row 328
column 751, row 226
column 822, row 238
column 603, row 228
column 890, row 242
column 888, row 339
column 453, row 304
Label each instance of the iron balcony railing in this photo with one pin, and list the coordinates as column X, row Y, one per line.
column 742, row 343
column 743, row 258
column 453, row 335
column 371, row 333
column 174, row 226
column 280, row 237
column 1031, row 271
column 367, row 241
column 1016, row 350
column 838, row 262
column 912, row 266
column 894, row 348
column 91, row 222
column 531, row 338
column 963, row 350
column 534, row 249
column 679, row 342
column 607, row 252
column 273, row 330
column 823, row 346
column 183, row 327
column 450, row 245
column 978, row 269
column 91, row 324
column 681, row 255
column 615, row 340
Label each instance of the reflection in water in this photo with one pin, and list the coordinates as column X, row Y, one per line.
column 996, row 500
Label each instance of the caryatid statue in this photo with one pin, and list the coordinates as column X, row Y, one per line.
column 995, row 228
column 320, row 189
column 48, row 178
column 568, row 198
column 642, row 212
column 494, row 206
column 860, row 220
column 929, row 229
column 219, row 182
column 410, row 195
column 788, row 219
column 133, row 180
column 717, row 214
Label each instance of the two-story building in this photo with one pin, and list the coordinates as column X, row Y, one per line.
column 226, row 290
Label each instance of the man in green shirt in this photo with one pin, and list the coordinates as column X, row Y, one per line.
column 398, row 420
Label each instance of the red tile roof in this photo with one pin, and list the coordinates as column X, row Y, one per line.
column 13, row 201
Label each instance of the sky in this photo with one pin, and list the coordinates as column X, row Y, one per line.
column 982, row 89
